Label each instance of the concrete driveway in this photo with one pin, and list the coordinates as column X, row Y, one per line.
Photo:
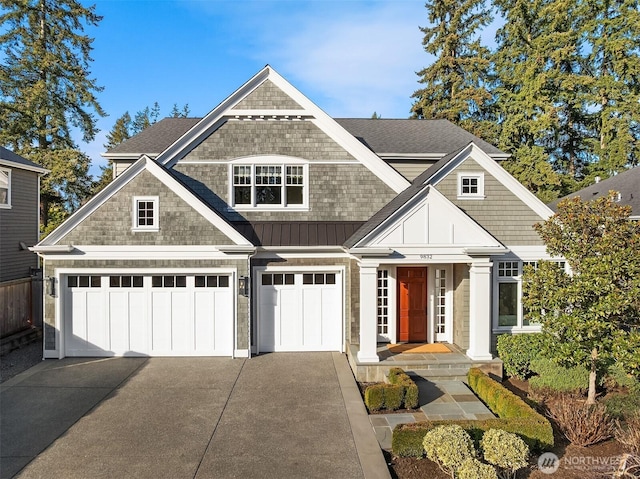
column 272, row 416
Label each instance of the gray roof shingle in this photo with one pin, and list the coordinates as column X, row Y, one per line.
column 297, row 233
column 381, row 136
column 626, row 183
column 9, row 155
column 155, row 138
column 412, row 136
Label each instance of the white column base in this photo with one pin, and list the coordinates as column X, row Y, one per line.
column 364, row 358
column 479, row 357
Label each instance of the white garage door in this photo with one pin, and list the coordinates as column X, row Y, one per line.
column 159, row 315
column 300, row 312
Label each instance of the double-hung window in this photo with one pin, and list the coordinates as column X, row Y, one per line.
column 5, row 188
column 145, row 213
column 269, row 186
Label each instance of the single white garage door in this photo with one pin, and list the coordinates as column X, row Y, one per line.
column 137, row 315
column 300, row 311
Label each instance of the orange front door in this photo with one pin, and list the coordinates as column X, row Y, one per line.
column 412, row 304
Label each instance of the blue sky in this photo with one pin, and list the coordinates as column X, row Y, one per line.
column 350, row 57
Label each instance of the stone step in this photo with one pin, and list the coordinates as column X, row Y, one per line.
column 441, row 374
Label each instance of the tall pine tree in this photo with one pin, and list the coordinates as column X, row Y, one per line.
column 46, row 91
column 456, row 84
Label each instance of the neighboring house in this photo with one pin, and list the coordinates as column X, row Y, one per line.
column 625, row 184
column 269, row 226
column 19, row 229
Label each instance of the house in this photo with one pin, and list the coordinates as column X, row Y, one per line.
column 19, row 229
column 625, row 184
column 267, row 225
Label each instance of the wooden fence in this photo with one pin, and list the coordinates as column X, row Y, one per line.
column 20, row 305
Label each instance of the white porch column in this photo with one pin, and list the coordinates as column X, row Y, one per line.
column 368, row 313
column 480, row 311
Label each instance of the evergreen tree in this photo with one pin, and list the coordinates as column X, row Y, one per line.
column 119, row 133
column 456, row 84
column 180, row 113
column 612, row 32
column 46, row 89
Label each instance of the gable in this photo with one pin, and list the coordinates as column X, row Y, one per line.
column 430, row 219
column 268, row 97
column 501, row 212
column 111, row 223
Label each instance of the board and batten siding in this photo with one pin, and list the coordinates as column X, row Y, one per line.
column 501, row 212
column 19, row 224
column 111, row 223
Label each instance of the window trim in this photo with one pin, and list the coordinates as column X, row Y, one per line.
column 252, row 163
column 478, row 175
column 156, row 209
column 7, row 205
column 513, row 279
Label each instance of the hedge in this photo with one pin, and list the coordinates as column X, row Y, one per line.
column 514, row 415
column 517, row 351
column 402, row 390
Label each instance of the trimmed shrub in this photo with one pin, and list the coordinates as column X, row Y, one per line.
column 374, row 397
column 617, row 377
column 474, row 469
column 399, row 377
column 504, row 450
column 552, row 378
column 620, row 406
column 517, row 351
column 582, row 424
column 393, row 396
column 448, row 446
column 514, row 416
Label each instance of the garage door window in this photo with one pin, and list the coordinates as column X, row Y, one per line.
column 169, row 281
column 125, row 281
column 84, row 281
column 277, row 279
column 212, row 281
column 319, row 278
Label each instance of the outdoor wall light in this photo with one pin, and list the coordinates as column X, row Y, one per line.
column 50, row 282
column 243, row 285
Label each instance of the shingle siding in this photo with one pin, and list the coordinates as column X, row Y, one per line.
column 268, row 97
column 240, row 138
column 501, row 212
column 19, row 224
column 239, row 264
column 461, row 305
column 336, row 193
column 111, row 223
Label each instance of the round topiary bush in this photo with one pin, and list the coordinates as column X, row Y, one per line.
column 504, row 450
column 474, row 469
column 449, row 447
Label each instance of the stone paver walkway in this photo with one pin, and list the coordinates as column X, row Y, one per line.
column 439, row 400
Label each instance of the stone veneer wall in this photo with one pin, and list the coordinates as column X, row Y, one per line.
column 50, row 303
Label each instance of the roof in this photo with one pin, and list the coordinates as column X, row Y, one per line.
column 626, row 183
column 418, row 184
column 401, row 137
column 383, row 137
column 156, row 138
column 15, row 160
column 297, row 233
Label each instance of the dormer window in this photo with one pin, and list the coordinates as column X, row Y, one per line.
column 145, row 213
column 470, row 185
column 269, row 186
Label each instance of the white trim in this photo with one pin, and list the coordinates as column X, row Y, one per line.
column 241, row 353
column 155, row 226
column 247, row 159
column 478, row 175
column 20, row 166
column 7, row 205
column 63, row 248
column 328, row 125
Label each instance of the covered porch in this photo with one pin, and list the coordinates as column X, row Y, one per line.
column 451, row 365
